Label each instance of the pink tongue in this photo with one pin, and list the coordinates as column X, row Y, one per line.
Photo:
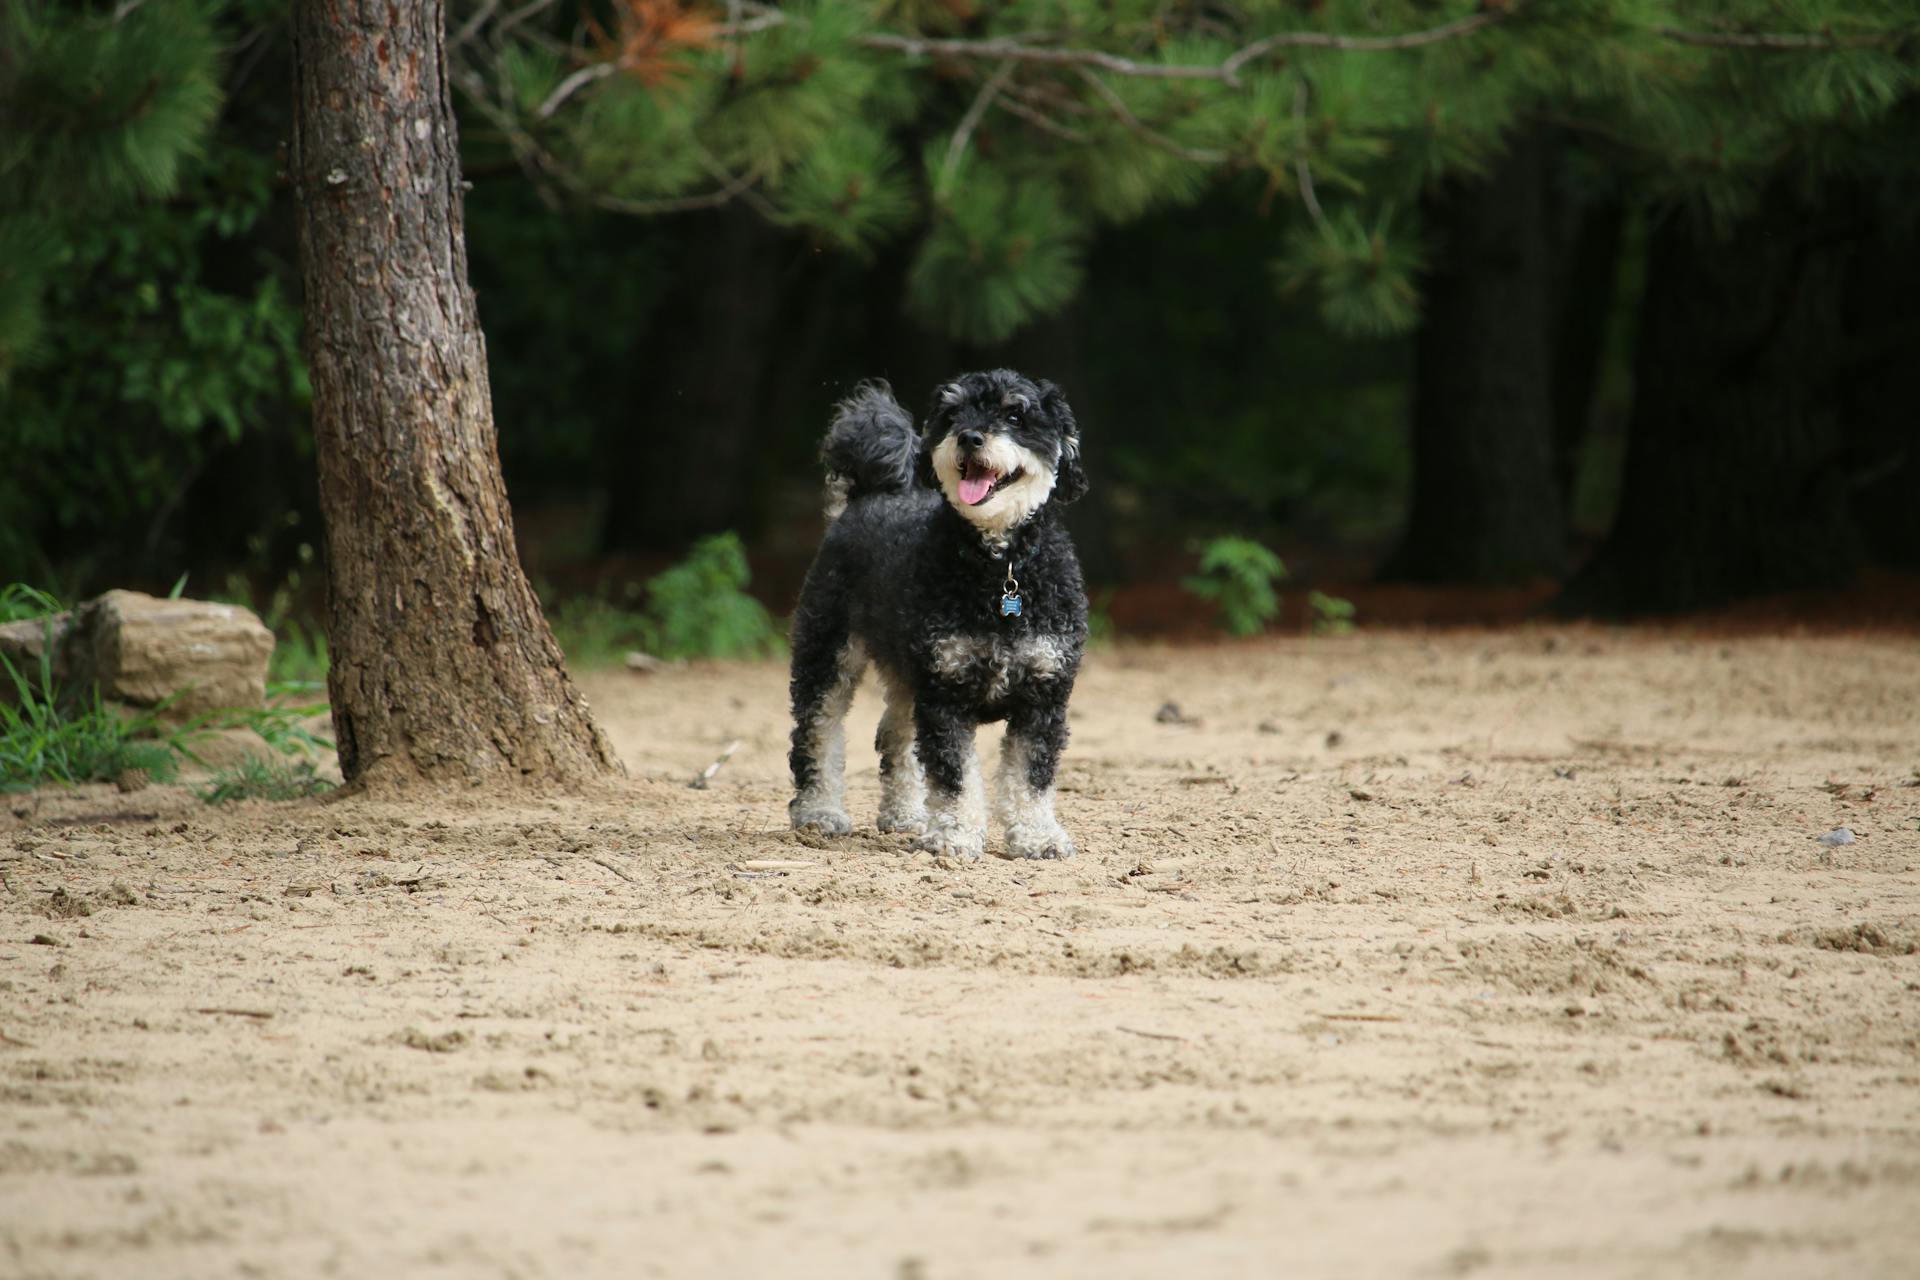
column 974, row 487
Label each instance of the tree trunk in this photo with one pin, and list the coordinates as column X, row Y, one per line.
column 1487, row 504
column 443, row 668
column 1734, row 482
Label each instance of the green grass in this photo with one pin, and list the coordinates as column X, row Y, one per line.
column 43, row 742
column 258, row 779
column 50, row 737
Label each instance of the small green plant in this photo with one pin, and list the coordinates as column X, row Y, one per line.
column 1101, row 631
column 594, row 632
column 696, row 609
column 265, row 779
column 699, row 608
column 1332, row 616
column 281, row 725
column 20, row 602
column 41, row 741
column 1238, row 574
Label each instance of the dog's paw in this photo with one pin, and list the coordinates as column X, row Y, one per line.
column 1050, row 842
column 945, row 841
column 904, row 822
column 822, row 821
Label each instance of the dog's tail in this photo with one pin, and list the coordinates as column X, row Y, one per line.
column 869, row 448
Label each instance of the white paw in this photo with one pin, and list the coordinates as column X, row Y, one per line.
column 910, row 822
column 1049, row 841
column 950, row 840
column 826, row 820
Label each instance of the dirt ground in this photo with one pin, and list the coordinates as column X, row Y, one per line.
column 1507, row 954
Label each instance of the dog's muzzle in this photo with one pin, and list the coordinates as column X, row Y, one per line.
column 978, row 481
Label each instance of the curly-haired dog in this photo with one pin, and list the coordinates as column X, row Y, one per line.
column 945, row 567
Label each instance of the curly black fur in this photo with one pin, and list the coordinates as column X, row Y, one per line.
column 904, row 581
column 871, row 445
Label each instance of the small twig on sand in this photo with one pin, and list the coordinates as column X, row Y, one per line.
column 706, row 774
column 1151, row 1035
column 1360, row 1017
column 239, row 1013
column 773, row 864
column 616, row 870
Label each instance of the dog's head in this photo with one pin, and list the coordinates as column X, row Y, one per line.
column 1000, row 447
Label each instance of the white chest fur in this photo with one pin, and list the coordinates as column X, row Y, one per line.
column 997, row 664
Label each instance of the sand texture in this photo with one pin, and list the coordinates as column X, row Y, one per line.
column 1399, row 955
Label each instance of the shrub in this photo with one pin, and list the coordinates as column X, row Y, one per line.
column 1238, row 574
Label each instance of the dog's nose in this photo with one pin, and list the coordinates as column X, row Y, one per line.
column 970, row 440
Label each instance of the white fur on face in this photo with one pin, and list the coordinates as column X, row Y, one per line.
column 1013, row 503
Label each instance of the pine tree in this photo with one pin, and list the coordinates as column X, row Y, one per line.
column 1001, row 136
column 99, row 107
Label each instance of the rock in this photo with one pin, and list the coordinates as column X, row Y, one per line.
column 192, row 655
column 1837, row 836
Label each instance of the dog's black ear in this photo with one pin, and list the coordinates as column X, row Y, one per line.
column 1070, row 481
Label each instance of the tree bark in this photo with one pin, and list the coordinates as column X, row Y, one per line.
column 443, row 668
column 1487, row 503
column 1734, row 483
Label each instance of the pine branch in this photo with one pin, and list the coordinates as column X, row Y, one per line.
column 1133, row 122
column 1016, row 104
column 1302, row 173
column 957, row 146
column 1227, row 71
column 1781, row 40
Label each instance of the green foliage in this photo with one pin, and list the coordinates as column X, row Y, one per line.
column 805, row 106
column 20, row 602
column 265, row 779
column 1331, row 615
column 43, row 741
column 280, row 724
column 145, row 324
column 1238, row 575
column 96, row 111
column 1362, row 274
column 594, row 632
column 1101, row 631
column 697, row 609
column 852, row 191
column 1000, row 250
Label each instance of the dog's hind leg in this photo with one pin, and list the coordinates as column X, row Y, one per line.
column 826, row 667
column 956, row 806
column 1023, row 793
column 903, row 787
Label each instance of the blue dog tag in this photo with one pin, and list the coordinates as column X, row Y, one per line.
column 1009, row 606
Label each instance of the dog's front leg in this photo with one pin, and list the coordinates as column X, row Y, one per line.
column 1023, row 793
column 956, row 807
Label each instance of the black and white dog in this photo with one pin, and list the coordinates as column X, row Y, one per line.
column 945, row 567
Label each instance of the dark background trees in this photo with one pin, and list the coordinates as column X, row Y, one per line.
column 1394, row 308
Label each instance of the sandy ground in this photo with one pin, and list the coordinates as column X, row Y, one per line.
column 1490, row 955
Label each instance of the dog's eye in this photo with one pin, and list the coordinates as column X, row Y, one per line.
column 1013, row 417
